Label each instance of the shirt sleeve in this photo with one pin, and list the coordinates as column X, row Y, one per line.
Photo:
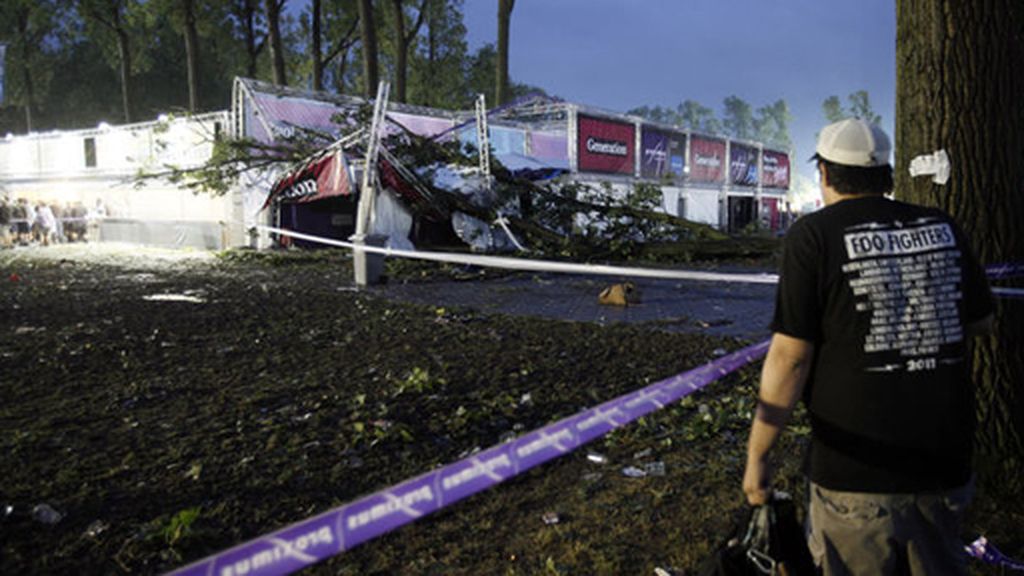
column 797, row 304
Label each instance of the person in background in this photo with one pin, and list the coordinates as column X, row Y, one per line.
column 5, row 222
column 46, row 224
column 875, row 302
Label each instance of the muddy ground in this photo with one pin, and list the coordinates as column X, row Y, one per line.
column 156, row 407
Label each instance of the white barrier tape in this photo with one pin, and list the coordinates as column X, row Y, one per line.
column 536, row 265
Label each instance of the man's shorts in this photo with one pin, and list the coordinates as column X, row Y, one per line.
column 865, row 533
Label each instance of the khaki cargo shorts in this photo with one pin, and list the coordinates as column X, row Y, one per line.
column 859, row 533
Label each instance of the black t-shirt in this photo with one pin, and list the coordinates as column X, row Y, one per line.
column 884, row 290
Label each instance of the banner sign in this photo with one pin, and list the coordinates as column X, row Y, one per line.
column 605, row 145
column 707, row 160
column 661, row 154
column 775, row 169
column 317, row 180
column 320, row 537
column 742, row 165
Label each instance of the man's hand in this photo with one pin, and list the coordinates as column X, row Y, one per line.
column 757, row 482
column 782, row 382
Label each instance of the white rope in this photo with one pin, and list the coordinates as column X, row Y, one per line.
column 537, row 265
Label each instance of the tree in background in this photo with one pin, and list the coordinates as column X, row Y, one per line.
column 27, row 24
column 368, row 32
column 501, row 92
column 958, row 88
column 696, row 116
column 402, row 38
column 248, row 22
column 272, row 9
column 771, row 125
column 738, row 118
column 117, row 19
column 438, row 76
column 860, row 107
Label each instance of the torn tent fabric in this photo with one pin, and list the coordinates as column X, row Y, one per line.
column 315, row 180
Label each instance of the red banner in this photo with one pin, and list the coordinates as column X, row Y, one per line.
column 775, row 171
column 707, row 160
column 316, row 180
column 605, row 145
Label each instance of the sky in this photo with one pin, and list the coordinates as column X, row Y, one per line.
column 622, row 54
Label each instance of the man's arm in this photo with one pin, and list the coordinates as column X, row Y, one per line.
column 782, row 383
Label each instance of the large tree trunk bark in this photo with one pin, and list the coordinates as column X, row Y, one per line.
column 958, row 88
column 369, row 35
column 501, row 80
column 273, row 10
column 315, row 48
column 191, row 54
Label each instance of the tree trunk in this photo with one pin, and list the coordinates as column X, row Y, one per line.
column 125, row 54
column 958, row 88
column 252, row 46
column 273, row 10
column 401, row 51
column 369, row 35
column 315, row 48
column 501, row 81
column 26, row 68
column 191, row 54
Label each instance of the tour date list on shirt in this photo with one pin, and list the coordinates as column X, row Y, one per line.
column 907, row 277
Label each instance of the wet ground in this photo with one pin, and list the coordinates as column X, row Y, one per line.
column 159, row 406
column 713, row 308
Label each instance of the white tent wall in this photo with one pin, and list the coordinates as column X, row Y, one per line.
column 100, row 164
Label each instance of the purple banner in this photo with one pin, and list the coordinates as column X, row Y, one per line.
column 661, row 154
column 1002, row 271
column 742, row 165
column 343, row 528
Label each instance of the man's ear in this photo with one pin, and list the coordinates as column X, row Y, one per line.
column 823, row 173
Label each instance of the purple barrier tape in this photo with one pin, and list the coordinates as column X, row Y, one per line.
column 986, row 552
column 343, row 528
column 1008, row 292
column 1000, row 271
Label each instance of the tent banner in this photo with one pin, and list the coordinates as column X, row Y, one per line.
column 742, row 165
column 315, row 180
column 775, row 172
column 661, row 154
column 707, row 160
column 605, row 146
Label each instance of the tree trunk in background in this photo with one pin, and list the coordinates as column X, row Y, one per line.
column 369, row 36
column 504, row 19
column 273, row 9
column 315, row 48
column 125, row 54
column 253, row 47
column 403, row 39
column 958, row 88
column 26, row 68
column 191, row 54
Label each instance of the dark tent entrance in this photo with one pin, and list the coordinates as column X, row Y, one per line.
column 333, row 217
column 741, row 212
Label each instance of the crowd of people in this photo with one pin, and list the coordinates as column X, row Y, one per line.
column 25, row 223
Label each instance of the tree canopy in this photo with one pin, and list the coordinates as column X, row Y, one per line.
column 76, row 64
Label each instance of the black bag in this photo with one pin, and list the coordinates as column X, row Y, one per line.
column 768, row 542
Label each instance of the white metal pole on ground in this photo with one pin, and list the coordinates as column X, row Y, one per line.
column 369, row 266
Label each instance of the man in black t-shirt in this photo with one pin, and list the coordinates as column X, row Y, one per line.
column 876, row 299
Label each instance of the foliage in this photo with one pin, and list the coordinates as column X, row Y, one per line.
column 859, row 107
column 768, row 124
column 71, row 52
